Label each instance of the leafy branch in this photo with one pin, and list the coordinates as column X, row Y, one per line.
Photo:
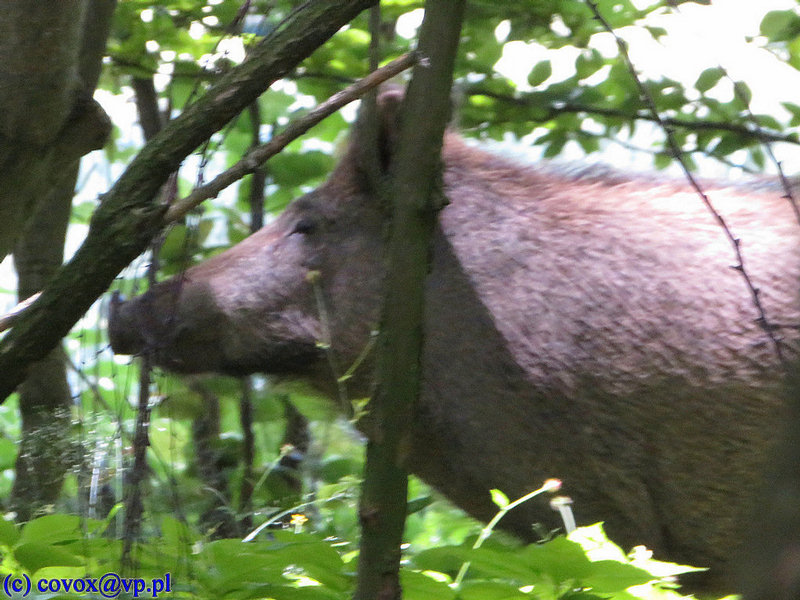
column 744, row 96
column 260, row 154
column 551, row 112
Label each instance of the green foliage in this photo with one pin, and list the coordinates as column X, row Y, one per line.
column 601, row 86
column 297, row 564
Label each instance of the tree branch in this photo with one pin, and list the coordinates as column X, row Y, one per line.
column 759, row 135
column 128, row 216
column 257, row 156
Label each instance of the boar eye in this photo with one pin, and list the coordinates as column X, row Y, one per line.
column 304, row 226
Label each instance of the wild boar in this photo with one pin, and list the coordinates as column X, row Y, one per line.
column 580, row 325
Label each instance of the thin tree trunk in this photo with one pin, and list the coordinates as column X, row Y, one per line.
column 44, row 398
column 48, row 119
column 37, row 182
column 416, row 180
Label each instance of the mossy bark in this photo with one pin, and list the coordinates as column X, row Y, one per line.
column 49, row 60
column 40, row 168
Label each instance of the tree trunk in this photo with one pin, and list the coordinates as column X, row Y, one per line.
column 415, row 185
column 52, row 71
column 47, row 117
column 44, row 397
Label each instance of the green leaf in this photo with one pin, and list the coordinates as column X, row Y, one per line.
column 234, row 563
column 662, row 160
column 314, row 556
column 769, row 122
column 609, row 576
column 181, row 403
column 34, row 556
column 780, row 25
column 503, row 563
column 540, row 72
column 8, row 533
column 794, row 109
column 729, row 143
column 274, row 104
column 331, row 128
column 312, row 406
column 588, row 63
column 182, row 242
column 292, row 169
column 175, row 533
column 709, row 78
column 8, row 454
column 656, row 32
column 417, row 504
column 291, row 592
column 418, row 586
column 560, row 559
column 758, row 158
column 554, row 148
column 499, row 498
column 601, row 550
column 489, row 590
column 589, row 143
column 52, row 529
column 743, row 92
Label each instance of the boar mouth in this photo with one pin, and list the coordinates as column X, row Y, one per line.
column 135, row 328
column 283, row 360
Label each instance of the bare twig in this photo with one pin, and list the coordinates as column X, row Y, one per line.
column 677, row 153
column 764, row 137
column 787, row 187
column 246, row 486
column 260, row 154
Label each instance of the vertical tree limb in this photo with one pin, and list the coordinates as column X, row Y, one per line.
column 256, row 200
column 44, row 399
column 49, row 61
column 146, row 97
column 416, row 200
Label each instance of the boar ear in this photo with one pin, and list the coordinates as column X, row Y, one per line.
column 376, row 134
column 389, row 102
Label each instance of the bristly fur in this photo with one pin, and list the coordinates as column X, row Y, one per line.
column 585, row 326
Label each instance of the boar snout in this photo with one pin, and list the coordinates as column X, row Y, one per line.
column 123, row 333
column 152, row 324
column 185, row 327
